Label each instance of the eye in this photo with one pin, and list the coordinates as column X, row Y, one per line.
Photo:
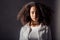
column 32, row 12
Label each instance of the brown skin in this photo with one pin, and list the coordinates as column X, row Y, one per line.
column 34, row 16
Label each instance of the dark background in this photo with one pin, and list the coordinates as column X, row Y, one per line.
column 9, row 26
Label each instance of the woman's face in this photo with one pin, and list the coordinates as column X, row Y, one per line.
column 33, row 13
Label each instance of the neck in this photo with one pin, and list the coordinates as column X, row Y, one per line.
column 34, row 23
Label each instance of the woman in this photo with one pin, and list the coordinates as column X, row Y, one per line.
column 35, row 27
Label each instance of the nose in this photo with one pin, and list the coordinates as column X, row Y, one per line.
column 35, row 15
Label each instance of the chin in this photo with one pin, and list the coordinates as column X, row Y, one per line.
column 35, row 20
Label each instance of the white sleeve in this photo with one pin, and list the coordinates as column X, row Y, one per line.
column 49, row 34
column 21, row 34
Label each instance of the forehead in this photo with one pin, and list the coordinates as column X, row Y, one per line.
column 33, row 8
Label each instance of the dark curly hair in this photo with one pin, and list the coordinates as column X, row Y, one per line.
column 43, row 12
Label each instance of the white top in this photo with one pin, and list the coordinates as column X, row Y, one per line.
column 43, row 34
column 34, row 35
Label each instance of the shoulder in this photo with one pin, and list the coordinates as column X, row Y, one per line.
column 47, row 28
column 44, row 26
column 25, row 27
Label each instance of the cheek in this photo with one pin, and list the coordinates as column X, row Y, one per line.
column 31, row 15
